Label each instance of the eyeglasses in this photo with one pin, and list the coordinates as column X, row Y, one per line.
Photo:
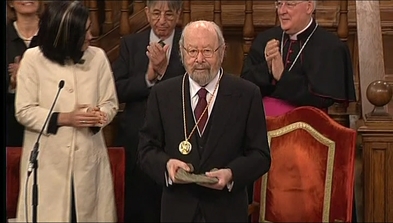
column 207, row 53
column 289, row 4
column 168, row 15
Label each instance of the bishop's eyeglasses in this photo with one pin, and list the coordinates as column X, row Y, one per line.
column 288, row 4
column 207, row 53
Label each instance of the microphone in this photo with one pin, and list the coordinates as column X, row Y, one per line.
column 34, row 152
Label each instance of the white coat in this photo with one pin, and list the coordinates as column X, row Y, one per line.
column 72, row 154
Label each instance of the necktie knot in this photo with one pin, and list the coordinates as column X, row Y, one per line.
column 202, row 93
column 161, row 42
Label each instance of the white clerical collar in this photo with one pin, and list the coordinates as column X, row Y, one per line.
column 294, row 36
column 194, row 86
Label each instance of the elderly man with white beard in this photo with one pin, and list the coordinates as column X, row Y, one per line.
column 208, row 124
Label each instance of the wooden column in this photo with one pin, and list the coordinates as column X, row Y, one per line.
column 378, row 172
column 217, row 13
column 376, row 133
column 186, row 12
column 277, row 19
column 342, row 29
column 138, row 5
column 95, row 26
column 108, row 23
column 124, row 19
column 338, row 111
column 371, row 61
column 377, row 139
column 314, row 13
column 248, row 28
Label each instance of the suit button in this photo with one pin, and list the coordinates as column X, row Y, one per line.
column 76, row 148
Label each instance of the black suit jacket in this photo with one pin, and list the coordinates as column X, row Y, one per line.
column 129, row 72
column 14, row 47
column 237, row 140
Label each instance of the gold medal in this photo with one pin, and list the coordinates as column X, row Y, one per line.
column 185, row 147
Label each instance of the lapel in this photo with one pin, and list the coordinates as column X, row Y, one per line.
column 141, row 60
column 194, row 156
column 219, row 118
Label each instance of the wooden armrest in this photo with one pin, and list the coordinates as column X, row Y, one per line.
column 253, row 207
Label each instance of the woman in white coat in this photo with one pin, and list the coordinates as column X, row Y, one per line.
column 74, row 175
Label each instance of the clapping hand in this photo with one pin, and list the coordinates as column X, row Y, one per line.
column 85, row 116
column 274, row 59
column 13, row 69
column 103, row 118
column 158, row 60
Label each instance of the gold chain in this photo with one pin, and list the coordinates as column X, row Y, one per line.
column 204, row 111
column 301, row 50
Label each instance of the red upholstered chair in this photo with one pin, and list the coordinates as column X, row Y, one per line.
column 311, row 178
column 117, row 159
column 12, row 180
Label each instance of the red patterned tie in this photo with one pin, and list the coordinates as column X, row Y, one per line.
column 200, row 107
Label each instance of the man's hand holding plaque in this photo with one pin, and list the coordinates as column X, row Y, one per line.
column 181, row 173
column 189, row 177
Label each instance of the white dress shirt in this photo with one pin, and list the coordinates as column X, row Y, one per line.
column 194, row 88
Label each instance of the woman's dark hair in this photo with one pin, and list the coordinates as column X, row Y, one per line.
column 62, row 31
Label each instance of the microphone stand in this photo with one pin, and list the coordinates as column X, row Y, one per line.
column 33, row 165
column 35, row 185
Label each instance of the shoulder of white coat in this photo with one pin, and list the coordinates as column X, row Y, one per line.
column 33, row 52
column 96, row 51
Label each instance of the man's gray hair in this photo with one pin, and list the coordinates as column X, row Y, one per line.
column 207, row 24
column 174, row 5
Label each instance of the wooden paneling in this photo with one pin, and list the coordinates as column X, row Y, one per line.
column 264, row 13
column 388, row 56
column 378, row 169
column 233, row 60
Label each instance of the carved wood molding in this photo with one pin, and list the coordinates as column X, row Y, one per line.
column 377, row 140
column 264, row 16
